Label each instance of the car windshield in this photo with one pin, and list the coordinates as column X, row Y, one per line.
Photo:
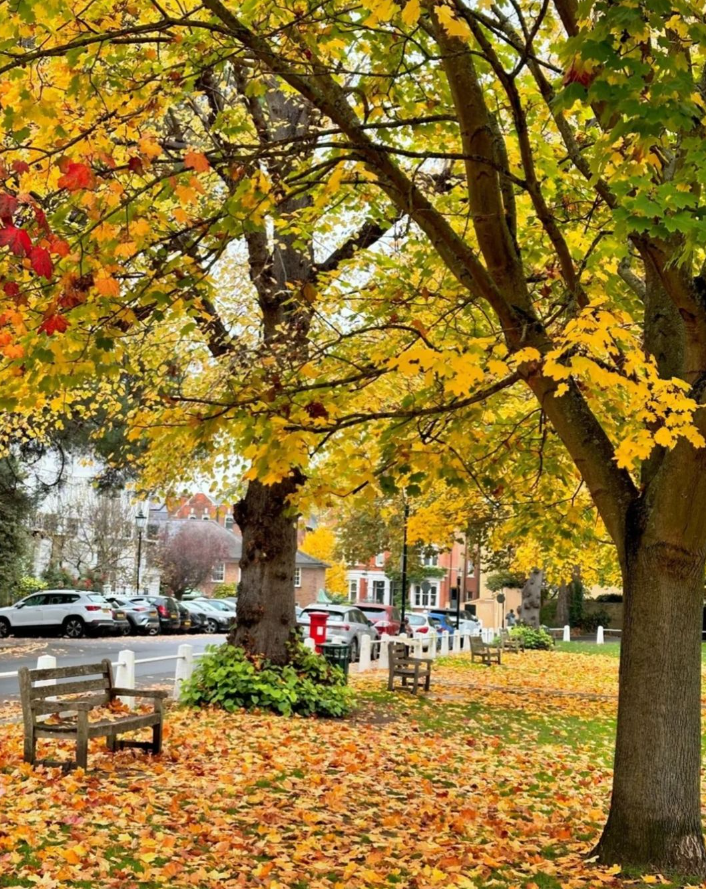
column 416, row 620
column 374, row 613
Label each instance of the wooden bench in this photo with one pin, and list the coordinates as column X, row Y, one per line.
column 509, row 642
column 486, row 651
column 407, row 668
column 96, row 679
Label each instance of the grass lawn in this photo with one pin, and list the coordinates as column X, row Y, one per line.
column 499, row 779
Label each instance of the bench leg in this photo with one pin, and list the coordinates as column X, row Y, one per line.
column 427, row 681
column 111, row 743
column 30, row 750
column 157, row 738
column 82, row 740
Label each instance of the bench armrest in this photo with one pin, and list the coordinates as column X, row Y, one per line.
column 139, row 693
column 62, row 706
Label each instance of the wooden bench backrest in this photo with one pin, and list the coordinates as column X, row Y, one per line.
column 93, row 679
column 398, row 652
column 477, row 643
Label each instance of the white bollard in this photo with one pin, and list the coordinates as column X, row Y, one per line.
column 364, row 657
column 599, row 637
column 184, row 668
column 46, row 662
column 125, row 675
column 444, row 643
column 310, row 644
column 432, row 644
column 385, row 651
column 466, row 642
column 567, row 634
column 457, row 643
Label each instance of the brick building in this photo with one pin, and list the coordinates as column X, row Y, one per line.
column 369, row 582
column 310, row 573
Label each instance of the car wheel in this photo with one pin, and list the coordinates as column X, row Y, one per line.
column 152, row 631
column 74, row 628
column 211, row 626
column 355, row 649
column 4, row 629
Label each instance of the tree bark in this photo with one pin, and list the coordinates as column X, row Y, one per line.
column 562, row 605
column 655, row 812
column 531, row 598
column 265, row 619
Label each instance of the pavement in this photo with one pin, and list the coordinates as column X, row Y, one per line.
column 16, row 653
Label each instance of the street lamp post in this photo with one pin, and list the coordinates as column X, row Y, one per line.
column 458, row 600
column 404, row 560
column 140, row 524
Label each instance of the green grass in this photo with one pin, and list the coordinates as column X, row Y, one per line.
column 610, row 649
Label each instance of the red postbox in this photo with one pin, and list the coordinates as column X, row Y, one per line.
column 317, row 628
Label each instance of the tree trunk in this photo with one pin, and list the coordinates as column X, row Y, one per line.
column 562, row 605
column 655, row 812
column 266, row 619
column 531, row 598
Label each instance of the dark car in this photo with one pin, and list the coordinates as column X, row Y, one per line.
column 217, row 620
column 185, row 618
column 167, row 609
column 142, row 617
column 197, row 615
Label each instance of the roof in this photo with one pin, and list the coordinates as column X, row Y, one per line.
column 234, row 542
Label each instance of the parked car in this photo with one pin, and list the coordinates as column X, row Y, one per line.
column 184, row 618
column 73, row 613
column 345, row 622
column 421, row 624
column 218, row 620
column 220, row 604
column 121, row 625
column 142, row 617
column 167, row 610
column 197, row 615
column 445, row 620
column 385, row 618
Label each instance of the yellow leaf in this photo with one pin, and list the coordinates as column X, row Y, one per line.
column 453, row 26
column 664, row 437
column 528, row 354
column 410, row 14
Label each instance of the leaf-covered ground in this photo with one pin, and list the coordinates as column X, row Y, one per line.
column 478, row 785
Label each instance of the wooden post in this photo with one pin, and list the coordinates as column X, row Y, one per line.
column 364, row 657
column 184, row 668
column 125, row 676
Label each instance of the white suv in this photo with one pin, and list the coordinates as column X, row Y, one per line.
column 71, row 612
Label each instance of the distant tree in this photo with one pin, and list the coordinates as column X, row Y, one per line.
column 15, row 508
column 187, row 555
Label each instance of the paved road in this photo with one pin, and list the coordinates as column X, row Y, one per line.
column 16, row 653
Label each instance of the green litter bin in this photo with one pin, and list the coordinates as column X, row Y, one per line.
column 338, row 654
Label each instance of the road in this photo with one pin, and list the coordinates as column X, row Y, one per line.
column 16, row 653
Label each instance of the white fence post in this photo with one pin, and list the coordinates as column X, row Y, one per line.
column 385, row 651
column 599, row 636
column 46, row 662
column 456, row 642
column 184, row 668
column 432, row 644
column 444, row 643
column 125, row 674
column 310, row 644
column 364, row 657
column 567, row 634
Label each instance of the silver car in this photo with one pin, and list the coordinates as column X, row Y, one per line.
column 345, row 623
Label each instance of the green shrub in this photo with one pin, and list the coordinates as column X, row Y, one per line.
column 308, row 685
column 224, row 590
column 533, row 637
column 591, row 622
column 547, row 613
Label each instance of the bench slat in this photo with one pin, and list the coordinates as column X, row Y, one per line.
column 67, row 672
column 69, row 688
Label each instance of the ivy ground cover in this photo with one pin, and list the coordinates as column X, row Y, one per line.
column 499, row 778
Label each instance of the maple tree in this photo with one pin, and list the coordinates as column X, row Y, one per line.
column 541, row 167
column 321, row 544
column 187, row 554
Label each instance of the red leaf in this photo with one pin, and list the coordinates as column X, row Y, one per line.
column 41, row 262
column 20, row 167
column 136, row 165
column 41, row 218
column 8, row 206
column 58, row 246
column 54, row 324
column 11, row 289
column 16, row 239
column 76, row 177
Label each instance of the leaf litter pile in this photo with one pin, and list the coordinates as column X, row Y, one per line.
column 471, row 786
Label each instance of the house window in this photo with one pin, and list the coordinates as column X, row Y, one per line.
column 380, row 560
column 428, row 599
column 430, row 558
column 205, row 517
column 353, row 590
column 218, row 574
column 297, row 577
column 379, row 591
column 230, row 521
column 192, row 513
